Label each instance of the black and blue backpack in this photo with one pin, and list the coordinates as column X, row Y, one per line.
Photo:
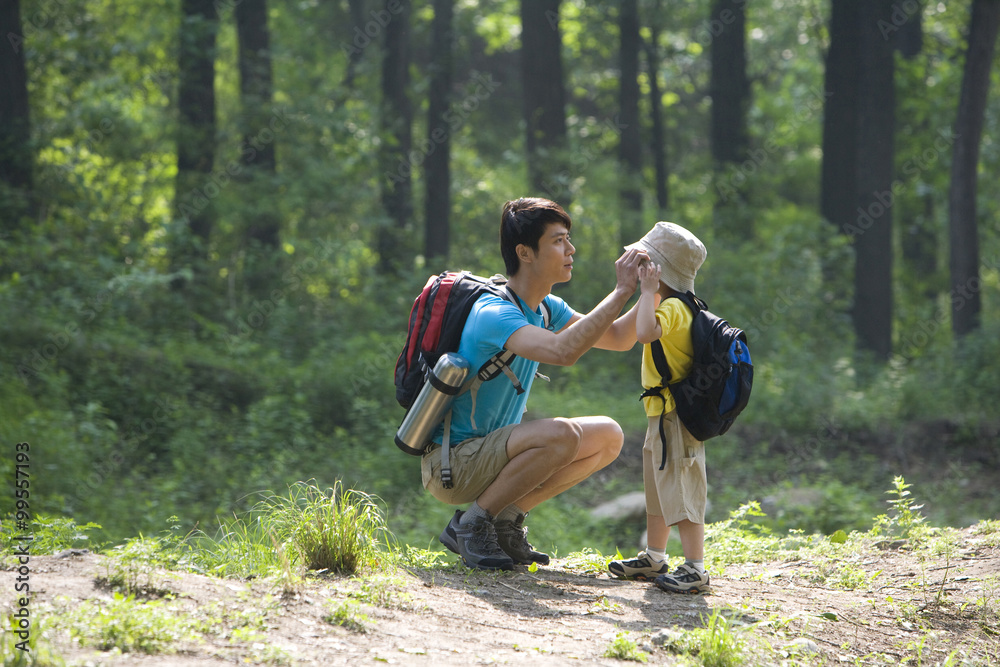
column 716, row 391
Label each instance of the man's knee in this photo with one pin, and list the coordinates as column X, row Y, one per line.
column 567, row 435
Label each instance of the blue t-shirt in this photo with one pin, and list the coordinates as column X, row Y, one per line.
column 491, row 322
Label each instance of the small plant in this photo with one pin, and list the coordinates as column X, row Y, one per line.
column 382, row 591
column 589, row 561
column 56, row 533
column 30, row 651
column 623, row 648
column 720, row 645
column 337, row 530
column 603, row 604
column 906, row 518
column 346, row 615
column 134, row 567
column 129, row 625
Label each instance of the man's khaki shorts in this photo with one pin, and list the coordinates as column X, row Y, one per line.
column 680, row 490
column 475, row 463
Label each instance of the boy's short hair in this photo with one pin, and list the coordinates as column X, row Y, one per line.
column 524, row 221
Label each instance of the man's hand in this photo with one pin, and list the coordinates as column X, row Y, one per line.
column 627, row 269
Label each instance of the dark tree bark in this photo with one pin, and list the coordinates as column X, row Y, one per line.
column 256, row 96
column 840, row 115
column 16, row 158
column 437, row 203
column 630, row 142
column 358, row 41
column 397, row 137
column 659, row 140
column 196, row 129
column 963, row 230
column 730, row 91
column 910, row 38
column 544, row 97
column 873, row 303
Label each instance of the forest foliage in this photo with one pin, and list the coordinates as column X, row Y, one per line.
column 142, row 400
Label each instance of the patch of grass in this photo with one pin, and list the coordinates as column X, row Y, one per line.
column 134, row 568
column 30, row 650
column 347, row 615
column 382, row 591
column 129, row 625
column 622, row 647
column 739, row 540
column 604, row 605
column 717, row 644
column 590, row 561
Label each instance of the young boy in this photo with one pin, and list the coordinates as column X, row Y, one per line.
column 673, row 462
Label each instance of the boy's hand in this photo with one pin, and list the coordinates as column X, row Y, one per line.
column 649, row 277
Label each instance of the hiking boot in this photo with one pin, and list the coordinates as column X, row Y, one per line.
column 685, row 579
column 512, row 536
column 641, row 567
column 476, row 543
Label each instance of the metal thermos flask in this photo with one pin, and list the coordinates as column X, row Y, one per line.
column 433, row 401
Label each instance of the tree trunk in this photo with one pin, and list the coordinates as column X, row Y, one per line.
column 437, row 204
column 397, row 137
column 544, row 98
column 840, row 115
column 195, row 189
column 358, row 41
column 16, row 158
column 659, row 147
column 630, row 142
column 963, row 230
column 730, row 91
column 873, row 305
column 259, row 123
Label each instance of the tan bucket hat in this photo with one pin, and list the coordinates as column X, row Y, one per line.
column 678, row 252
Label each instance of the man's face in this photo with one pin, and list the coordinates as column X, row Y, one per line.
column 554, row 259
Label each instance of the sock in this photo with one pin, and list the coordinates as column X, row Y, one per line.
column 656, row 556
column 473, row 513
column 696, row 564
column 510, row 513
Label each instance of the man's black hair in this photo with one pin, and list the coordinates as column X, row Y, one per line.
column 524, row 221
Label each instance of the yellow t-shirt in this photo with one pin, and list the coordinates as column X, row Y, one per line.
column 674, row 318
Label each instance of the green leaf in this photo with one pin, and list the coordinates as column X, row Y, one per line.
column 839, row 537
column 829, row 615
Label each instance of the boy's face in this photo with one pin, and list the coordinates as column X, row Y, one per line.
column 554, row 260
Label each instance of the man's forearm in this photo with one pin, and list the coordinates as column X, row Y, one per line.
column 585, row 332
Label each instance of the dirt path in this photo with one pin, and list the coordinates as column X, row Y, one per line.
column 912, row 607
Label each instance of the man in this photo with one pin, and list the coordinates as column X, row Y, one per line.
column 504, row 467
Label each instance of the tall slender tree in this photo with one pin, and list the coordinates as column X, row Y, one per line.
column 16, row 158
column 874, row 198
column 397, row 136
column 437, row 200
column 195, row 190
column 544, row 96
column 630, row 142
column 730, row 90
column 840, row 114
column 966, row 304
column 659, row 141
column 256, row 97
